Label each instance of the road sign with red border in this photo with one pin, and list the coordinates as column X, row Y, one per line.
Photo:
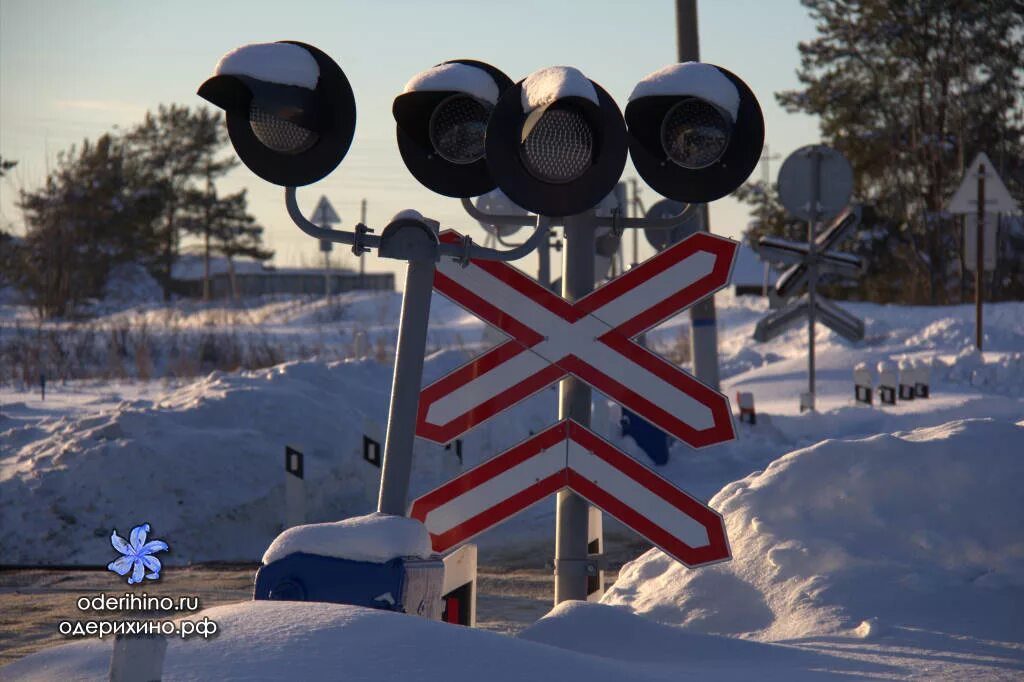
column 591, row 339
column 568, row 455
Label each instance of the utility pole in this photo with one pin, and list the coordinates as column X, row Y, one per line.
column 638, row 210
column 703, row 322
column 766, row 172
column 327, row 275
column 362, row 256
column 979, row 259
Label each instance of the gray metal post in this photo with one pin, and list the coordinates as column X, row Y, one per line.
column 979, row 258
column 138, row 657
column 544, row 263
column 703, row 320
column 574, row 403
column 405, row 387
column 812, row 270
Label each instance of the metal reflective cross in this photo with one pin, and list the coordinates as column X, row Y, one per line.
column 590, row 339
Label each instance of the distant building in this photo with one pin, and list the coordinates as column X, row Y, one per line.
column 253, row 278
column 750, row 274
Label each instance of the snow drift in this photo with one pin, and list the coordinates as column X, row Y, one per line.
column 918, row 528
column 267, row 640
column 203, row 465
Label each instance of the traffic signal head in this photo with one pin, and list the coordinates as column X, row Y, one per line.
column 556, row 142
column 290, row 110
column 442, row 119
column 695, row 131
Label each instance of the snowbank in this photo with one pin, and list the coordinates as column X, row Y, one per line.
column 691, row 78
column 203, row 464
column 282, row 63
column 998, row 373
column 374, row 537
column 131, row 283
column 918, row 528
column 458, row 78
column 544, row 86
column 267, row 640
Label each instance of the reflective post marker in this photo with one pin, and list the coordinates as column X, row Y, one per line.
column 137, row 657
column 294, row 488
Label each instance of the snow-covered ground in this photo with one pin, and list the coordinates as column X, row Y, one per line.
column 866, row 541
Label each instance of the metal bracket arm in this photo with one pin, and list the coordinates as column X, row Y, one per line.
column 364, row 241
column 613, row 221
column 459, row 251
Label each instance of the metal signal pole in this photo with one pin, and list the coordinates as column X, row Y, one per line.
column 812, row 271
column 703, row 321
column 574, row 396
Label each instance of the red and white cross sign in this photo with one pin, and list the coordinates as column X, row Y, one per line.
column 568, row 455
column 591, row 339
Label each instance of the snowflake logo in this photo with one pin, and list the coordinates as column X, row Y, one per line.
column 138, row 555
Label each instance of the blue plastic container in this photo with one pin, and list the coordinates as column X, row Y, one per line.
column 407, row 585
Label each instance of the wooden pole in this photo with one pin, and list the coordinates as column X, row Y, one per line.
column 979, row 257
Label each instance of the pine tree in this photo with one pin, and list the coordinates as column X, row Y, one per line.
column 236, row 234
column 909, row 91
column 180, row 146
column 226, row 228
column 8, row 248
column 96, row 210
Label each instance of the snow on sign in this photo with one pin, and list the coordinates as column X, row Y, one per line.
column 568, row 455
column 591, row 339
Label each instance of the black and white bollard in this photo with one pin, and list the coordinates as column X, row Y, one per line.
column 294, row 487
column 887, row 383
column 745, row 401
column 908, row 379
column 372, row 453
column 923, row 369
column 862, row 383
column 138, row 657
column 459, row 591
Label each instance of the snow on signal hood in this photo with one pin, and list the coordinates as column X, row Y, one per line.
column 691, row 78
column 453, row 76
column 544, row 86
column 282, row 63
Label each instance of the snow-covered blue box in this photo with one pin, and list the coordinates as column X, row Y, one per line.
column 407, row 584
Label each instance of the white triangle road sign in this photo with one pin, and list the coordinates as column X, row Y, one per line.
column 997, row 197
column 324, row 213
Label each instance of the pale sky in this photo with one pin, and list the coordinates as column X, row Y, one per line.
column 72, row 69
